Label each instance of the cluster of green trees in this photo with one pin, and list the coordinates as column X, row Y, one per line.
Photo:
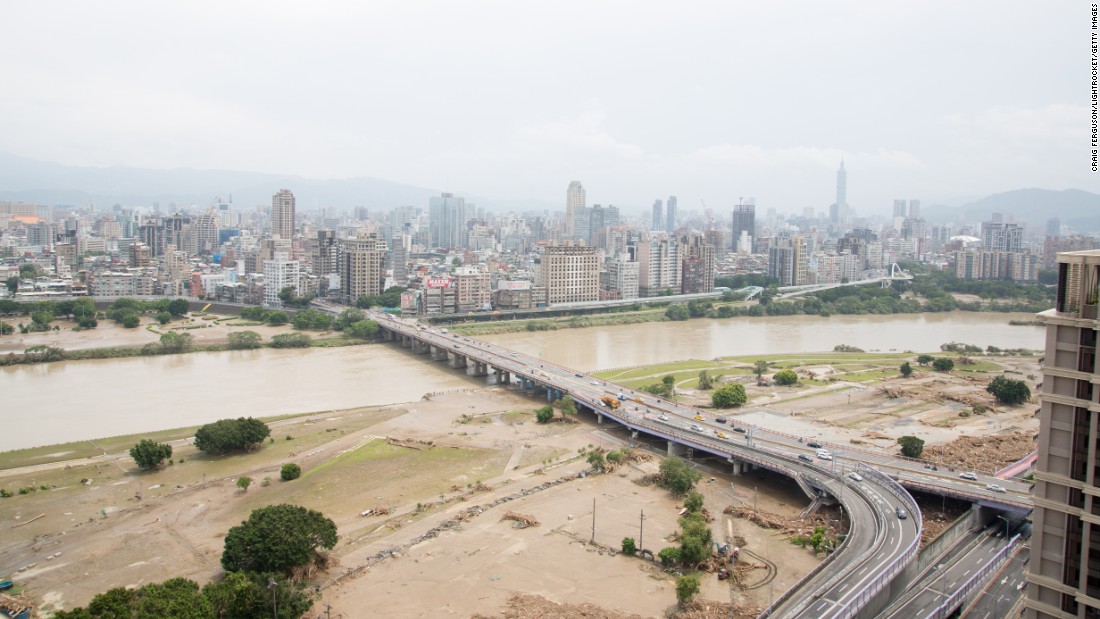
column 911, row 446
column 291, row 298
column 259, row 314
column 42, row 313
column 291, row 340
column 390, row 297
column 736, row 282
column 244, row 340
column 259, row 555
column 231, row 435
column 354, row 323
column 816, row 540
column 312, row 319
column 128, row 312
column 149, row 454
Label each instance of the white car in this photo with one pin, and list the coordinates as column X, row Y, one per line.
column 825, row 456
column 969, row 475
column 995, row 488
column 663, row 417
column 595, row 382
column 855, row 477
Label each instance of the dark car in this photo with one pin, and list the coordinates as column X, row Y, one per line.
column 805, row 458
column 578, row 374
column 738, row 429
column 814, row 445
column 720, row 419
column 901, row 513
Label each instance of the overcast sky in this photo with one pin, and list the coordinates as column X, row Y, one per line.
column 513, row 99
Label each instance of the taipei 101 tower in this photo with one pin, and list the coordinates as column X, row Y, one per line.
column 838, row 212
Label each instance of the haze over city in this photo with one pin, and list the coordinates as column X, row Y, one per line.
column 710, row 101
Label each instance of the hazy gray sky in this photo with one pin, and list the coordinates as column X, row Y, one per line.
column 513, row 99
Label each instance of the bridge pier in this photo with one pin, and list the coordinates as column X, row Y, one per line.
column 420, row 348
column 456, row 360
column 676, row 449
column 406, row 341
column 634, row 434
column 599, row 418
column 439, row 353
column 476, row 368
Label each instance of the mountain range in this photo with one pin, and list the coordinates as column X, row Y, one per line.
column 23, row 179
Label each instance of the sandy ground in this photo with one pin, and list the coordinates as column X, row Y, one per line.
column 102, row 525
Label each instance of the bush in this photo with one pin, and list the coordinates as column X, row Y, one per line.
column 130, row 321
column 290, row 340
column 694, row 502
column 728, row 396
column 943, row 364
column 1008, row 390
column 230, row 435
column 276, row 318
column 244, row 340
column 906, row 369
column 149, row 454
column 677, row 312
column 290, row 472
column 677, row 476
column 687, row 587
column 785, row 377
column 164, row 317
column 244, row 482
column 629, row 546
column 544, row 414
column 911, row 446
column 669, row 555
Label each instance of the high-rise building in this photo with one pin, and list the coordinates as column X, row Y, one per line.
column 570, row 273
column 1054, row 227
column 914, row 209
column 658, row 216
column 282, row 214
column 591, row 224
column 1000, row 236
column 899, row 209
column 447, row 216
column 838, row 211
column 279, row 273
column 621, row 279
column 744, row 226
column 361, row 267
column 202, row 235
column 660, row 266
column 574, row 199
column 1064, row 571
column 698, row 265
column 788, row 261
column 670, row 215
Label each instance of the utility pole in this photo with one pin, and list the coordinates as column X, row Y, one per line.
column 754, row 500
column 641, row 530
column 593, row 541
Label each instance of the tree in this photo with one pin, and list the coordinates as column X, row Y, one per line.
column 677, row 476
column 695, row 538
column 363, row 329
column 290, row 472
column 677, row 312
column 290, row 340
column 149, row 454
column 629, row 546
column 669, row 555
column 687, row 587
column 311, row 319
column 173, row 341
column 925, row 359
column 179, row 598
column 347, row 317
column 244, row 340
column 244, row 482
column 693, row 502
column 276, row 318
column 669, row 383
column 130, row 320
column 760, row 367
column 178, row 307
column 568, row 406
column 911, row 446
column 277, row 538
column 1008, row 390
column 705, row 380
column 943, row 364
column 906, row 369
column 728, row 396
column 785, row 377
column 248, row 595
column 12, row 283
column 28, row 271
column 597, row 461
column 544, row 414
column 230, row 435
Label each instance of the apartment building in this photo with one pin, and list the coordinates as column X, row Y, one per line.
column 1064, row 571
column 570, row 273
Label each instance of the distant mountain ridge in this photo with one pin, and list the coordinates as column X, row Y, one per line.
column 1077, row 209
column 23, row 179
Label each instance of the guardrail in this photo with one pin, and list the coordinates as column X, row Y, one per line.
column 964, row 590
column 1018, row 466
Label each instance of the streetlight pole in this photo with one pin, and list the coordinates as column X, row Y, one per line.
column 271, row 584
column 641, row 529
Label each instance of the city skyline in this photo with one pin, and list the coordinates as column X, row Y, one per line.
column 957, row 110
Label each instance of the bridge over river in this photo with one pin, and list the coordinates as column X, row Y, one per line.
column 871, row 486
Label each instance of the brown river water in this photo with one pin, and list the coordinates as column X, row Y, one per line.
column 78, row 400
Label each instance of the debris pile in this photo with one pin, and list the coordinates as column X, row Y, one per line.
column 982, row 453
column 524, row 606
column 709, row 609
column 523, row 519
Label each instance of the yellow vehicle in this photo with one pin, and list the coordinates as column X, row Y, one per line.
column 698, row 418
column 721, row 435
column 610, row 402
